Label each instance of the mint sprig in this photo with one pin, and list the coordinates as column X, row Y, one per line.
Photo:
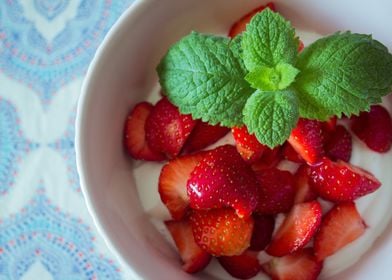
column 259, row 79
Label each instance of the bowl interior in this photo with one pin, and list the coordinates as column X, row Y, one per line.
column 123, row 73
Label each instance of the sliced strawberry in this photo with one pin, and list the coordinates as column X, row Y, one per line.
column 329, row 125
column 262, row 231
column 172, row 183
column 247, row 144
column 243, row 266
column 303, row 190
column 222, row 178
column 167, row 129
column 203, row 135
column 276, row 191
column 240, row 25
column 221, row 232
column 341, row 181
column 301, row 265
column 374, row 128
column 307, row 139
column 290, row 154
column 135, row 136
column 339, row 144
column 269, row 159
column 340, row 226
column 193, row 257
column 297, row 229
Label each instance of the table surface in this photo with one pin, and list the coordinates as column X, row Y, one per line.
column 46, row 231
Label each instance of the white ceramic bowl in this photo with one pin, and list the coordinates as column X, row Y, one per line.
column 123, row 73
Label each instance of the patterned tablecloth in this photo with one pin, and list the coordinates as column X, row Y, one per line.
column 45, row 229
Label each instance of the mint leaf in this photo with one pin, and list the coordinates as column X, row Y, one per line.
column 271, row 116
column 204, row 76
column 269, row 40
column 342, row 73
column 272, row 78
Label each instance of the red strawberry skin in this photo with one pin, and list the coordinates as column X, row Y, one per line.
column 374, row 128
column 135, row 135
column 247, row 144
column 172, row 184
column 301, row 265
column 339, row 144
column 290, row 154
column 269, row 159
column 340, row 181
column 276, row 191
column 297, row 229
column 240, row 25
column 203, row 135
column 167, row 129
column 303, row 190
column 308, row 140
column 340, row 226
column 262, row 231
column 223, row 179
column 193, row 257
column 244, row 266
column 221, row 232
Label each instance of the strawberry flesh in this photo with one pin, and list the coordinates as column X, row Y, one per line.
column 269, row 159
column 303, row 190
column 221, row 232
column 222, row 178
column 340, row 181
column 262, row 231
column 247, row 144
column 340, row 226
column 339, row 144
column 243, row 266
column 290, row 154
column 297, row 229
column 135, row 135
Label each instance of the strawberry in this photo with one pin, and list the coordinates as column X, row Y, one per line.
column 339, row 144
column 172, row 183
column 290, row 154
column 374, row 128
column 269, row 159
column 203, row 135
column 303, row 190
column 167, row 129
column 240, row 25
column 297, row 229
column 221, row 232
column 276, row 191
column 341, row 181
column 262, row 231
column 247, row 144
column 307, row 139
column 222, row 178
column 329, row 125
column 301, row 265
column 193, row 257
column 135, row 136
column 340, row 226
column 243, row 266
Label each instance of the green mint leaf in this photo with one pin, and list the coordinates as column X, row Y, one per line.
column 342, row 73
column 272, row 78
column 271, row 116
column 204, row 76
column 269, row 40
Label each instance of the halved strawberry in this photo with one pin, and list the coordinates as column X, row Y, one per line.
column 341, row 181
column 193, row 257
column 339, row 144
column 290, row 154
column 276, row 191
column 135, row 136
column 329, row 125
column 247, row 144
column 374, row 128
column 262, row 231
column 340, row 226
column 303, row 190
column 269, row 159
column 301, row 265
column 167, row 129
column 243, row 266
column 222, row 178
column 221, row 232
column 172, row 183
column 203, row 135
column 240, row 25
column 307, row 139
column 297, row 229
